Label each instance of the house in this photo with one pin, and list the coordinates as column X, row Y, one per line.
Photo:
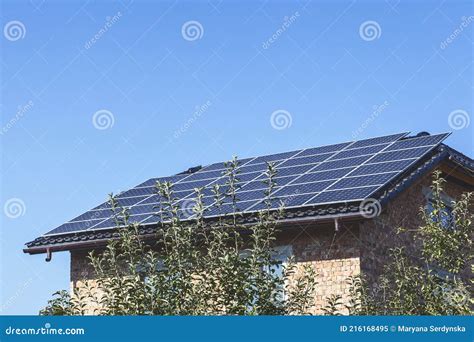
column 343, row 204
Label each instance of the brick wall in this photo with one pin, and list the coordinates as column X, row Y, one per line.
column 334, row 256
column 83, row 280
column 377, row 236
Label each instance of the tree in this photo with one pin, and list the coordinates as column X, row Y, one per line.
column 194, row 267
column 434, row 281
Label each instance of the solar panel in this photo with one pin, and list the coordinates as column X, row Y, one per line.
column 323, row 149
column 363, row 189
column 306, row 160
column 274, row 157
column 361, row 151
column 345, row 195
column 400, row 154
column 324, row 175
column 343, row 172
column 382, row 167
column 352, row 182
column 419, row 141
column 378, row 140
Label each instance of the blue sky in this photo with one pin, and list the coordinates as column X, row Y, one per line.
column 168, row 98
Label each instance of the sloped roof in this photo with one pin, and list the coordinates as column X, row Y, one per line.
column 346, row 163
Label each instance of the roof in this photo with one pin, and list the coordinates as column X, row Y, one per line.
column 314, row 183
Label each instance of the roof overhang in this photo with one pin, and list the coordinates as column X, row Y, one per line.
column 101, row 243
column 453, row 163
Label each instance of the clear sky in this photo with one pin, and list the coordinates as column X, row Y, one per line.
column 99, row 96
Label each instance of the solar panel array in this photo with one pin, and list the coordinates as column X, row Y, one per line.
column 345, row 172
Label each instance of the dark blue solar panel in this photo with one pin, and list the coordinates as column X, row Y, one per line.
column 105, row 224
column 221, row 165
column 250, row 195
column 93, row 215
column 138, row 192
column 337, row 164
column 429, row 140
column 399, row 155
column 297, row 200
column 342, row 195
column 248, row 176
column 303, row 188
column 273, row 157
column 213, row 167
column 378, row 140
column 152, row 181
column 352, row 182
column 227, row 208
column 324, row 175
column 110, row 223
column 294, row 170
column 191, row 185
column 360, row 151
column 142, row 209
column 123, row 202
column 323, row 149
column 127, row 202
column 208, row 191
column 204, row 175
column 259, row 184
column 156, row 199
column 317, row 176
column 306, row 160
column 75, row 226
column 368, row 168
column 253, row 168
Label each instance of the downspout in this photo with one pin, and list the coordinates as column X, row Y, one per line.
column 49, row 255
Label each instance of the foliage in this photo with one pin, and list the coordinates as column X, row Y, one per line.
column 196, row 268
column 333, row 305
column 227, row 268
column 433, row 283
column 59, row 305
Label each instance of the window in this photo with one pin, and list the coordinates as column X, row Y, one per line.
column 446, row 215
column 282, row 254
